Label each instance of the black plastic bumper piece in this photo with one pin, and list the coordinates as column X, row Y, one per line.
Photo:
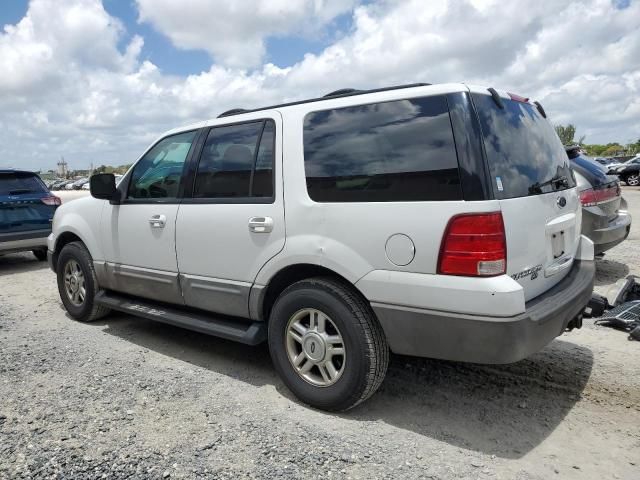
column 492, row 340
column 238, row 330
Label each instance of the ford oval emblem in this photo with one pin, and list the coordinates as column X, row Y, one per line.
column 561, row 201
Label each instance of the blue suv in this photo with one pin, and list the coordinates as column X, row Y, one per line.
column 26, row 212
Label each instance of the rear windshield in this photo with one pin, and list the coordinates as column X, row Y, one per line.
column 19, row 183
column 524, row 152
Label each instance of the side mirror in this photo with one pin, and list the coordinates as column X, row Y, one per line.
column 103, row 186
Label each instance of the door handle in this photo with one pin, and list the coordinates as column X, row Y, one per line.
column 261, row 224
column 158, row 221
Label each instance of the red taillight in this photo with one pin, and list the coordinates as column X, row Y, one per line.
column 52, row 200
column 518, row 98
column 591, row 197
column 474, row 245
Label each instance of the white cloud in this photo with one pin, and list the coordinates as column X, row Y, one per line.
column 234, row 32
column 69, row 87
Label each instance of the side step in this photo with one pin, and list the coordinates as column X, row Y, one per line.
column 239, row 330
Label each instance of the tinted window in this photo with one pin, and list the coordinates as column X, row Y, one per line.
column 524, row 152
column 158, row 173
column 237, row 161
column 19, row 183
column 385, row 152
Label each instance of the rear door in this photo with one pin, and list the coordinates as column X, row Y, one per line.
column 531, row 177
column 22, row 208
column 234, row 222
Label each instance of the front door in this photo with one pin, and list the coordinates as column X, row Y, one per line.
column 234, row 222
column 139, row 234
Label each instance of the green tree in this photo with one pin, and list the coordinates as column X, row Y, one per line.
column 613, row 149
column 566, row 133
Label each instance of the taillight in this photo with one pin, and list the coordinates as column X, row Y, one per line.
column 51, row 200
column 474, row 245
column 591, row 197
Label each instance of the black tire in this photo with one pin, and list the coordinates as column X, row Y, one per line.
column 40, row 254
column 88, row 310
column 366, row 349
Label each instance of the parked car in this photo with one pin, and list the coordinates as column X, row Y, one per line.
column 614, row 167
column 78, row 184
column 603, row 161
column 57, row 184
column 26, row 211
column 629, row 173
column 439, row 221
column 605, row 219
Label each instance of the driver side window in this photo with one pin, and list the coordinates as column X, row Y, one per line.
column 157, row 175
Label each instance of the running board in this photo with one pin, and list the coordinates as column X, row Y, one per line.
column 240, row 330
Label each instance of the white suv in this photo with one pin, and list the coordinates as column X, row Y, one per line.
column 429, row 220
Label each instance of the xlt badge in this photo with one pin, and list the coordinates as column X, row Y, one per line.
column 529, row 272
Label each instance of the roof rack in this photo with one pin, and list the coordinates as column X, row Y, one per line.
column 344, row 92
column 233, row 111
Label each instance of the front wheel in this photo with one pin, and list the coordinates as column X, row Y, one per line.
column 77, row 283
column 327, row 344
column 632, row 180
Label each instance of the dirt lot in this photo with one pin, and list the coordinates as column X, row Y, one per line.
column 128, row 398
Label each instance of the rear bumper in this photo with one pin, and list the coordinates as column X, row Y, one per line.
column 483, row 339
column 603, row 233
column 21, row 241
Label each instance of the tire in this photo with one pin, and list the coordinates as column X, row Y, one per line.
column 353, row 376
column 76, row 257
column 40, row 254
column 632, row 180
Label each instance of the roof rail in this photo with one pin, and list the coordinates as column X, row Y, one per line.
column 345, row 92
column 233, row 111
column 342, row 91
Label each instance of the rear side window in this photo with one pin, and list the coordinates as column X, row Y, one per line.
column 524, row 152
column 20, row 183
column 384, row 152
column 237, row 162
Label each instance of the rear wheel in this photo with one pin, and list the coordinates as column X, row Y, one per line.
column 77, row 283
column 632, row 180
column 327, row 344
column 40, row 254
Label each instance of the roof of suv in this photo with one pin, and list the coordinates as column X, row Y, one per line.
column 343, row 92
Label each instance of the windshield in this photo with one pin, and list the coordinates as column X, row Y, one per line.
column 19, row 183
column 524, row 152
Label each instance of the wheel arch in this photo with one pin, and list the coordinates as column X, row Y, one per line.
column 261, row 300
column 63, row 239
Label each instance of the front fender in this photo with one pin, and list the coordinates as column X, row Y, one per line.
column 81, row 218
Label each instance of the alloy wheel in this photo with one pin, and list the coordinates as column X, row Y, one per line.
column 74, row 283
column 315, row 347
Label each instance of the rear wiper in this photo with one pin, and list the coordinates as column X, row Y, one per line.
column 556, row 181
column 18, row 191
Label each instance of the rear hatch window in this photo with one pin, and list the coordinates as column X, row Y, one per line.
column 13, row 184
column 524, row 153
column 21, row 205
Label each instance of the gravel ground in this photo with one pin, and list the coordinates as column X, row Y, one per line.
column 129, row 398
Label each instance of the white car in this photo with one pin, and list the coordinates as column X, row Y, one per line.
column 431, row 220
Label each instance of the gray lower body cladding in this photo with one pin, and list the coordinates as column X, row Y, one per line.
column 490, row 340
column 604, row 233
